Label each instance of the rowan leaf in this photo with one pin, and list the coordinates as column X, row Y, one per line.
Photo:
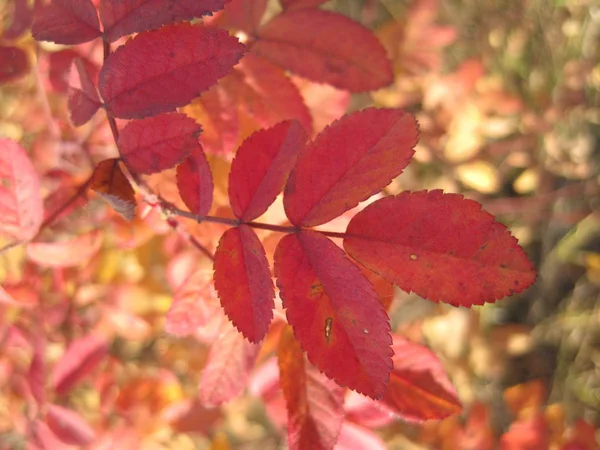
column 67, row 22
column 299, row 4
column 419, row 389
column 21, row 207
column 266, row 94
column 109, row 181
column 83, row 99
column 243, row 280
column 315, row 404
column 352, row 159
column 334, row 311
column 158, row 143
column 70, row 253
column 158, row 71
column 307, row 42
column 195, row 183
column 81, row 358
column 261, row 167
column 228, row 367
column 69, row 426
column 14, row 63
column 121, row 17
column 441, row 246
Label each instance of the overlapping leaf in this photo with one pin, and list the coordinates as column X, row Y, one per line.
column 441, row 246
column 158, row 143
column 67, row 22
column 121, row 17
column 244, row 15
column 261, row 167
column 307, row 42
column 195, row 183
column 314, row 403
column 160, row 70
column 21, row 209
column 69, row 426
column 348, row 162
column 83, row 97
column 243, row 281
column 334, row 311
column 109, row 181
column 229, row 363
column 419, row 389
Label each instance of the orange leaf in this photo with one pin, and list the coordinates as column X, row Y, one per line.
column 334, row 311
column 314, row 403
column 419, row 389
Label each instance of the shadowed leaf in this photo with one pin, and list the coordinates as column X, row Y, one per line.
column 67, row 22
column 111, row 184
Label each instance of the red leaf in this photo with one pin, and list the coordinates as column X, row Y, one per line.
column 36, row 375
column 229, row 363
column 81, row 358
column 13, row 64
column 134, row 16
column 243, row 281
column 160, row 70
column 314, row 403
column 69, row 426
column 348, row 162
column 67, row 22
column 44, row 439
column 242, row 15
column 367, row 412
column 419, row 389
column 70, row 253
column 334, row 311
column 261, row 167
column 21, row 210
column 83, row 96
column 307, row 42
column 109, row 181
column 59, row 66
column 158, row 143
column 195, row 183
column 441, row 246
column 299, row 4
column 266, row 93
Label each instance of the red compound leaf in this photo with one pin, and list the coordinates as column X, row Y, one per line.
column 195, row 183
column 440, row 246
column 67, row 22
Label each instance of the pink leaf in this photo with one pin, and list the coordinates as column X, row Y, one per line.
column 228, row 367
column 69, row 426
column 81, row 358
column 21, row 210
column 158, row 143
column 121, row 17
column 355, row 437
column 195, row 183
column 83, row 96
column 261, row 167
column 67, row 22
column 70, row 253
